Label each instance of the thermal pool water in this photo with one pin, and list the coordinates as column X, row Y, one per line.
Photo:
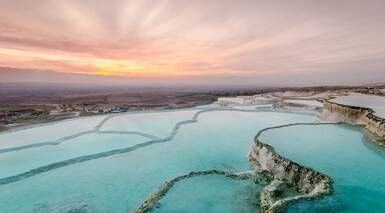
column 112, row 163
column 356, row 165
column 114, row 167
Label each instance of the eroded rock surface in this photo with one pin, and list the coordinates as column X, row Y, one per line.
column 309, row 182
column 334, row 112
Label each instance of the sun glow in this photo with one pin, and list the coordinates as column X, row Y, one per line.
column 92, row 65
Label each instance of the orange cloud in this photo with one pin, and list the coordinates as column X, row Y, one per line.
column 213, row 39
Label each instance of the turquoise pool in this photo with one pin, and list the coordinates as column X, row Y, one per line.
column 211, row 193
column 112, row 164
column 356, row 165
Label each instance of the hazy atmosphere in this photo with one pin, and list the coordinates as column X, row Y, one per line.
column 212, row 106
column 260, row 43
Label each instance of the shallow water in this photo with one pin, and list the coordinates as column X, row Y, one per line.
column 115, row 173
column 211, row 193
column 253, row 107
column 356, row 165
column 12, row 163
column 156, row 123
column 377, row 103
column 48, row 132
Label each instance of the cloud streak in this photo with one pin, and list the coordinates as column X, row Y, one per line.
column 251, row 40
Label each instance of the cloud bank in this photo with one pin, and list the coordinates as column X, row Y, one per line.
column 278, row 43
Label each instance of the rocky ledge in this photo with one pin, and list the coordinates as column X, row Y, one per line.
column 335, row 112
column 154, row 198
column 307, row 181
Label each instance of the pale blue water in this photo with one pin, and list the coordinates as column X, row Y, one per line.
column 356, row 165
column 377, row 103
column 48, row 132
column 211, row 193
column 12, row 163
column 156, row 123
column 84, row 169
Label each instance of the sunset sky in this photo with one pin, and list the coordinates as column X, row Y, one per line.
column 307, row 42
